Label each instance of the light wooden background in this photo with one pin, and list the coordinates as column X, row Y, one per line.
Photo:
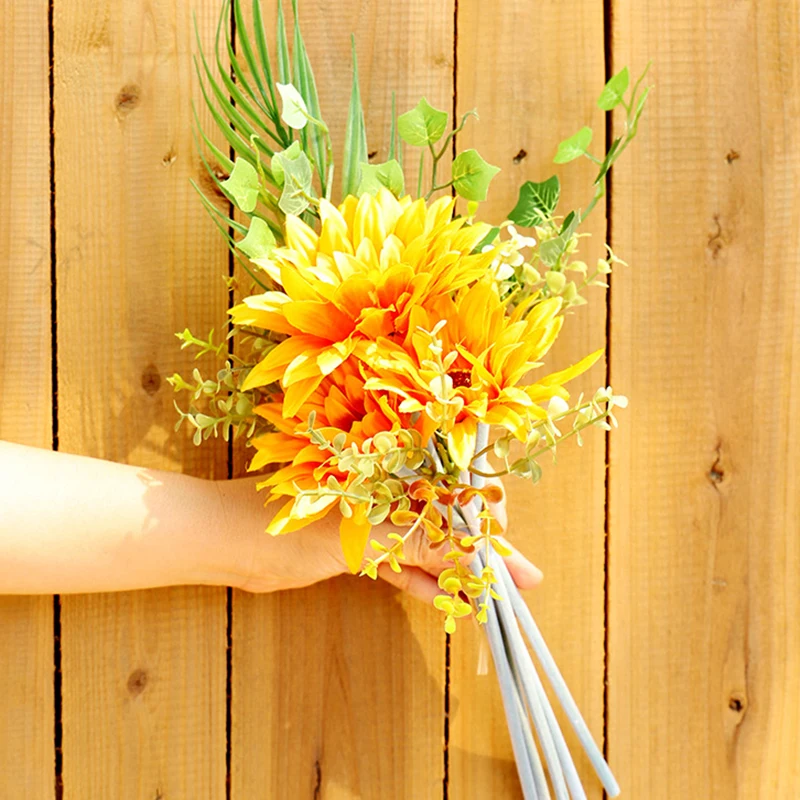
column 672, row 592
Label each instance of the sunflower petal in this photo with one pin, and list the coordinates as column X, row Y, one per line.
column 353, row 534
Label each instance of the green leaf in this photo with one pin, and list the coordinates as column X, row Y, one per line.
column 295, row 111
column 422, row 125
column 355, row 141
column 259, row 241
column 614, row 90
column 297, row 176
column 488, row 239
column 313, row 137
column 552, row 249
column 223, row 100
column 263, row 54
column 242, row 100
column 388, row 174
column 472, row 175
column 284, row 64
column 243, row 185
column 574, row 147
column 536, row 203
column 290, row 153
column 640, row 107
column 608, row 160
column 394, row 150
column 243, row 42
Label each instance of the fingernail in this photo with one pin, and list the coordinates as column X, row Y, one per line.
column 537, row 574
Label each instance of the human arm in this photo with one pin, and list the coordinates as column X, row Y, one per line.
column 70, row 524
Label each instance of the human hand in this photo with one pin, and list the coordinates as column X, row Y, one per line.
column 265, row 563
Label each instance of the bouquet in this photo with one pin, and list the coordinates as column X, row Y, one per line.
column 386, row 360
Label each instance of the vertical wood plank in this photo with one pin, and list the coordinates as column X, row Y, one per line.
column 533, row 71
column 137, row 260
column 26, row 642
column 704, row 661
column 338, row 690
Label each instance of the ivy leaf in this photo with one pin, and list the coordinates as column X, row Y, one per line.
column 388, row 174
column 537, row 202
column 276, row 165
column 295, row 111
column 614, row 90
column 422, row 125
column 297, row 176
column 242, row 185
column 472, row 175
column 259, row 241
column 552, row 249
column 574, row 147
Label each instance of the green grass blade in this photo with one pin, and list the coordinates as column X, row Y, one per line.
column 236, row 93
column 241, row 147
column 223, row 222
column 284, row 64
column 313, row 138
column 225, row 105
column 243, row 41
column 266, row 68
column 355, row 140
column 393, row 129
column 222, row 158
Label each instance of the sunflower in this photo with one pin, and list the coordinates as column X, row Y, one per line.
column 485, row 353
column 375, row 260
column 340, row 407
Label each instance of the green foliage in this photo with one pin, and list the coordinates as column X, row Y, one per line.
column 388, row 174
column 472, row 175
column 259, row 241
column 296, row 178
column 537, row 202
column 423, row 125
column 614, row 91
column 243, row 185
column 574, row 147
column 552, row 249
column 295, row 111
column 355, row 138
column 315, row 138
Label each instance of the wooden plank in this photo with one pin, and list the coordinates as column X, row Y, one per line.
column 137, row 259
column 531, row 96
column 704, row 661
column 338, row 689
column 26, row 645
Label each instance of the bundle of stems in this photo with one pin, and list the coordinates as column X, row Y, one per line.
column 524, row 697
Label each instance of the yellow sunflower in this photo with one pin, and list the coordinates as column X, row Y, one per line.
column 375, row 259
column 485, row 354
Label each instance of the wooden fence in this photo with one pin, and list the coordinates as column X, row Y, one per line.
column 672, row 591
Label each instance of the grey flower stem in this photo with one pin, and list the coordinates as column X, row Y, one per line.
column 560, row 688
column 525, row 755
column 549, row 733
column 529, row 678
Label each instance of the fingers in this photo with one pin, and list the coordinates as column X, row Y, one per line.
column 523, row 572
column 413, row 580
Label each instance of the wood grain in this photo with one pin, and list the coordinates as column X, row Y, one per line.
column 533, row 71
column 338, row 690
column 137, row 260
column 704, row 661
column 26, row 645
